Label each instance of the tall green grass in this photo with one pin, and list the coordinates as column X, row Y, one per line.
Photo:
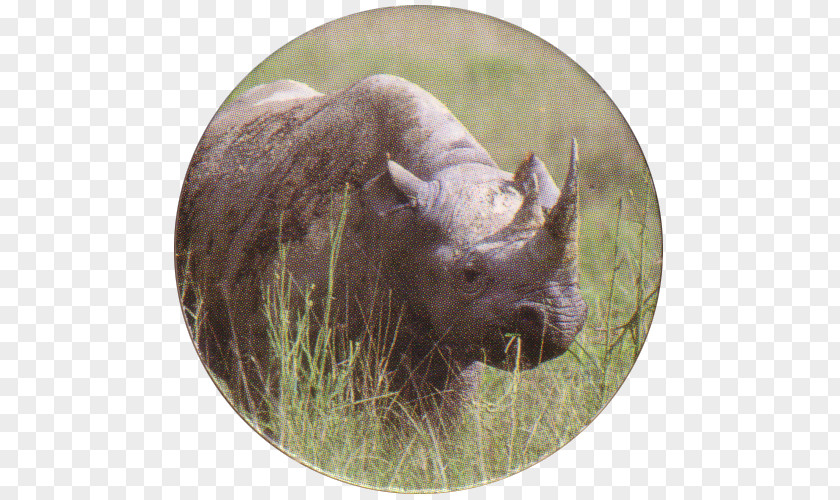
column 327, row 414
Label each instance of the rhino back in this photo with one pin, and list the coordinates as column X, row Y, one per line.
column 269, row 168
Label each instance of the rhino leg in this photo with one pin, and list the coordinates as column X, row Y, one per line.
column 249, row 354
column 429, row 383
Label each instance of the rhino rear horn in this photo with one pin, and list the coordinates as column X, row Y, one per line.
column 527, row 180
column 561, row 222
column 534, row 168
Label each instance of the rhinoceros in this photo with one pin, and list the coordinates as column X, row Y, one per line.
column 477, row 266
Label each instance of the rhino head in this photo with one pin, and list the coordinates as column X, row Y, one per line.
column 485, row 260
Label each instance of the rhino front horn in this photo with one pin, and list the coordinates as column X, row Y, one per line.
column 561, row 222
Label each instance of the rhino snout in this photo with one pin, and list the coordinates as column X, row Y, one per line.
column 530, row 319
column 546, row 331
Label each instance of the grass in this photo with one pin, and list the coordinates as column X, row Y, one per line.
column 515, row 420
column 515, row 95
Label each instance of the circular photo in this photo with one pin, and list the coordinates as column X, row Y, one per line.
column 418, row 249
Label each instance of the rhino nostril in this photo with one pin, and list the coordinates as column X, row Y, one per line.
column 529, row 319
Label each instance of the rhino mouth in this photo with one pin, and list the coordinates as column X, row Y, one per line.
column 535, row 334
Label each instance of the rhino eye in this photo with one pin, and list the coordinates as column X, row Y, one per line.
column 471, row 275
column 472, row 279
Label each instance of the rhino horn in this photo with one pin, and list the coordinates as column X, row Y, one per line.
column 408, row 183
column 527, row 180
column 533, row 167
column 561, row 222
column 556, row 241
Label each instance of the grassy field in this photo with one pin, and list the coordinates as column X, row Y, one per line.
column 515, row 94
column 515, row 419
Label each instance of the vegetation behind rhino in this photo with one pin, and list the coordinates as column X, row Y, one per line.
column 473, row 264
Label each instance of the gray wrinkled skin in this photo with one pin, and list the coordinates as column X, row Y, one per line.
column 478, row 265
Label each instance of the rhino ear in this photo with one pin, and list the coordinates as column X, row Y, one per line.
column 408, row 183
column 533, row 168
column 381, row 195
column 392, row 190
